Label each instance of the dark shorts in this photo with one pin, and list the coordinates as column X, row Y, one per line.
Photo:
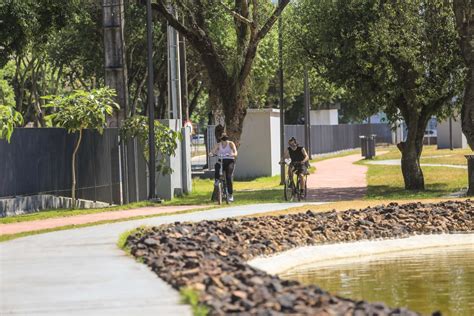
column 300, row 168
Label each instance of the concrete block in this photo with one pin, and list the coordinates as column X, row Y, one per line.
column 31, row 204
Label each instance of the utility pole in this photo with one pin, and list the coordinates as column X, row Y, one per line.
column 116, row 78
column 114, row 49
column 307, row 107
column 174, row 91
column 281, row 101
column 151, row 105
column 451, row 146
column 184, row 77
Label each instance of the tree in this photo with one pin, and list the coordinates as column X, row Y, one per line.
column 9, row 118
column 81, row 110
column 464, row 13
column 228, row 70
column 400, row 57
column 166, row 140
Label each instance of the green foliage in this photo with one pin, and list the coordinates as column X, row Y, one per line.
column 166, row 140
column 9, row 118
column 82, row 109
column 191, row 297
column 7, row 94
column 400, row 57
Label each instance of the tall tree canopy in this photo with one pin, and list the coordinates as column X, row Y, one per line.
column 228, row 69
column 400, row 57
column 464, row 13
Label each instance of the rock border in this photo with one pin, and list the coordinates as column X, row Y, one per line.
column 211, row 256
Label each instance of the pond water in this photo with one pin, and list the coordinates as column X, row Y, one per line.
column 433, row 279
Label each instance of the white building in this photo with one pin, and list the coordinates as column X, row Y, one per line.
column 324, row 117
column 459, row 140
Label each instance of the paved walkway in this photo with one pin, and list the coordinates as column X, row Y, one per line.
column 14, row 228
column 337, row 179
column 82, row 272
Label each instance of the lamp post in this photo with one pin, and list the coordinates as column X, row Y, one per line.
column 281, row 95
column 307, row 107
column 451, row 147
column 151, row 106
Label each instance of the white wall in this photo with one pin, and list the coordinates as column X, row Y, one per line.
column 324, row 117
column 178, row 182
column 260, row 145
column 459, row 140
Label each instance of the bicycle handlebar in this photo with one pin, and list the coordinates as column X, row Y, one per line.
column 220, row 156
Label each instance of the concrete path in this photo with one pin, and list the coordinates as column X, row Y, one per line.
column 397, row 162
column 14, row 228
column 82, row 272
column 337, row 179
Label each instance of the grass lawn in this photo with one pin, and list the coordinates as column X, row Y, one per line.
column 260, row 190
column 386, row 182
column 431, row 154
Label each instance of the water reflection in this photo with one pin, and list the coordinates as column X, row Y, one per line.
column 426, row 280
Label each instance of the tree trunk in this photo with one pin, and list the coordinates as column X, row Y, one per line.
column 73, row 189
column 235, row 109
column 467, row 111
column 216, row 106
column 411, row 153
column 464, row 15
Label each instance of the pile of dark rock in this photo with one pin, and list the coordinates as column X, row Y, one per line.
column 211, row 256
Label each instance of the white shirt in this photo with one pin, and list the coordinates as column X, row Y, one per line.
column 226, row 151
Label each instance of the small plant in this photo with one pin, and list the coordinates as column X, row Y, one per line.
column 166, row 140
column 191, row 297
column 81, row 110
column 9, row 118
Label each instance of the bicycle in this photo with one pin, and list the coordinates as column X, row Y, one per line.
column 220, row 190
column 292, row 190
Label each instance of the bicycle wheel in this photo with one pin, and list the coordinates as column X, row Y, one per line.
column 289, row 187
column 305, row 186
column 219, row 193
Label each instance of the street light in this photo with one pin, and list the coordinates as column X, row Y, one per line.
column 151, row 106
column 281, row 87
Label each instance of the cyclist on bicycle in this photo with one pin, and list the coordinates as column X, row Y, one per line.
column 227, row 149
column 299, row 159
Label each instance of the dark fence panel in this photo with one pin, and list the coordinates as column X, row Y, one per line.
column 331, row 138
column 38, row 161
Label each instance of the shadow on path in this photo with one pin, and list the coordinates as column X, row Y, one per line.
column 336, row 194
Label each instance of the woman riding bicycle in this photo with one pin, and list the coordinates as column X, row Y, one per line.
column 299, row 159
column 228, row 151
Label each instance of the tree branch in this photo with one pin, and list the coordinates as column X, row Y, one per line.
column 200, row 40
column 272, row 19
column 172, row 20
column 238, row 16
column 255, row 11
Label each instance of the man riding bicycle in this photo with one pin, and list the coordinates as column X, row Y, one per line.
column 299, row 159
column 226, row 149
